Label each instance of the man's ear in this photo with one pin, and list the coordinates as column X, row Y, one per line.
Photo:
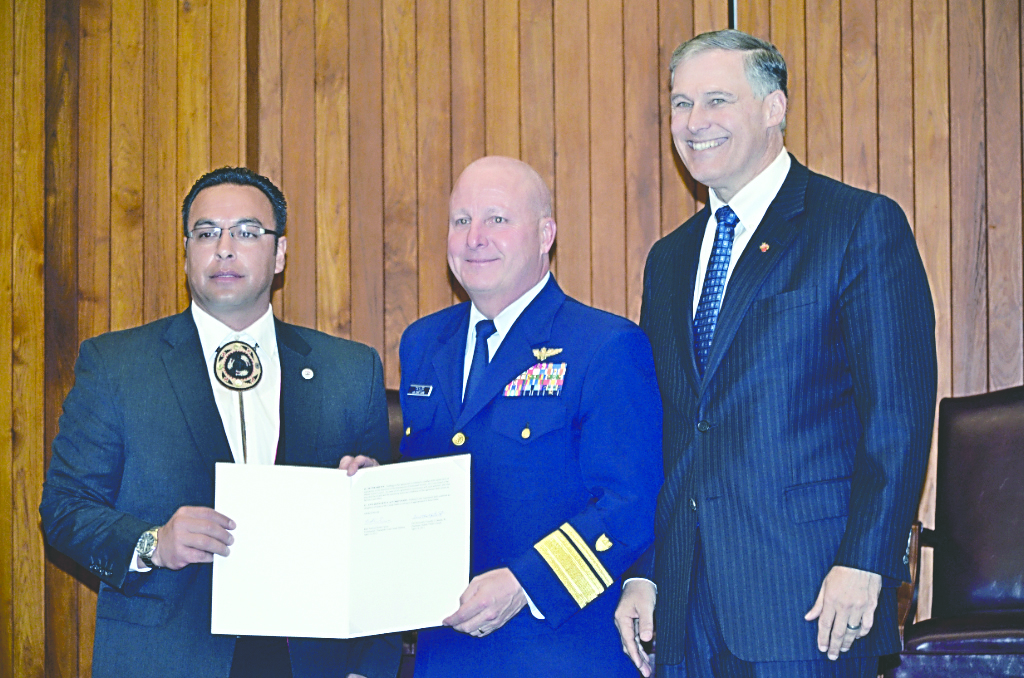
column 775, row 107
column 547, row 234
column 282, row 247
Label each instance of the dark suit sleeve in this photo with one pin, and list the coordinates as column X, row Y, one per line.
column 619, row 447
column 374, row 441
column 888, row 328
column 84, row 478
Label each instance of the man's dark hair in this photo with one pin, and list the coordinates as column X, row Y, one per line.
column 239, row 176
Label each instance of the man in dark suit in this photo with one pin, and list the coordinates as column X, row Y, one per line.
column 558, row 405
column 793, row 336
column 129, row 490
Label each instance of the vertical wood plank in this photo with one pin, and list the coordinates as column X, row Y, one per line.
column 27, row 335
column 607, row 150
column 127, row 159
column 93, row 209
column 572, row 148
column 193, row 140
column 298, row 173
column 94, row 237
column 57, row 236
column 333, row 251
column 709, row 15
column 501, row 76
column 678, row 189
column 269, row 153
column 754, row 17
column 227, row 83
column 400, row 216
column 931, row 208
column 860, row 94
column 824, row 88
column 969, row 250
column 433, row 141
column 789, row 36
column 468, row 119
column 1003, row 186
column 7, row 151
column 366, row 179
column 896, row 132
column 537, row 86
column 643, row 94
column 161, row 243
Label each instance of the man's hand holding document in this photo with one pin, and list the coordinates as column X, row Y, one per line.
column 321, row 554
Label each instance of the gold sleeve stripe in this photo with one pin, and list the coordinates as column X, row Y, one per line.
column 591, row 557
column 569, row 567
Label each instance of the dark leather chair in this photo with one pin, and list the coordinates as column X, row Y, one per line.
column 977, row 624
column 395, row 427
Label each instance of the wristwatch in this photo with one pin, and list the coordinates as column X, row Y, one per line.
column 146, row 546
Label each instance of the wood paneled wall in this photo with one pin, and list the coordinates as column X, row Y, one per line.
column 366, row 110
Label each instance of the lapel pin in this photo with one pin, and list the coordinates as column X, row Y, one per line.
column 764, row 247
column 307, row 373
column 544, row 353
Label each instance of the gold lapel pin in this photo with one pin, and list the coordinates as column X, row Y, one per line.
column 544, row 353
column 764, row 247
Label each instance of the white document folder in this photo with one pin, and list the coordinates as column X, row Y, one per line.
column 320, row 554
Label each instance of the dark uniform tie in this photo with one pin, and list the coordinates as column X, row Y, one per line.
column 481, row 357
column 706, row 318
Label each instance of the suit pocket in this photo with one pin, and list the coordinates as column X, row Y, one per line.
column 803, row 296
column 418, row 418
column 525, row 419
column 818, row 500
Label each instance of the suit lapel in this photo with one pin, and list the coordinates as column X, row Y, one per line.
column 685, row 287
column 450, row 359
column 300, row 398
column 777, row 229
column 187, row 372
column 532, row 328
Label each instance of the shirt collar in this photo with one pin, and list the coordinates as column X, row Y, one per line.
column 213, row 333
column 503, row 321
column 753, row 200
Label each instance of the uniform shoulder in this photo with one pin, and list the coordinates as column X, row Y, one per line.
column 430, row 324
column 592, row 320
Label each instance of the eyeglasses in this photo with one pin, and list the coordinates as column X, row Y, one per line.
column 248, row 234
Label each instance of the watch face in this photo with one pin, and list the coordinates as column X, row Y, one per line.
column 146, row 544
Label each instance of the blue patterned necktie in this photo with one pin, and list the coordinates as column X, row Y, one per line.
column 706, row 318
column 481, row 357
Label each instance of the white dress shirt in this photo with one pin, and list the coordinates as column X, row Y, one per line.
column 262, row 402
column 750, row 205
column 502, row 324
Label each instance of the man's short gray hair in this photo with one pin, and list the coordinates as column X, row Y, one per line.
column 765, row 68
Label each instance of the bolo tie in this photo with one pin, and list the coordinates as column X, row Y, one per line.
column 238, row 368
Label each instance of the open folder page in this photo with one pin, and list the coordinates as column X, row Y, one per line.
column 323, row 555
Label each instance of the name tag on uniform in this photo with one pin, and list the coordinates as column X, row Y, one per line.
column 419, row 390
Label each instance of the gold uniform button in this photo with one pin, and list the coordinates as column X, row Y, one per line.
column 459, row 439
column 525, row 433
column 408, row 430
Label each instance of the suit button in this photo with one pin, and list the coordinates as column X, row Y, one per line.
column 693, row 504
column 525, row 433
column 703, row 426
column 459, row 439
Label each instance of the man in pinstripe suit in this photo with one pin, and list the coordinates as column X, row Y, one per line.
column 793, row 336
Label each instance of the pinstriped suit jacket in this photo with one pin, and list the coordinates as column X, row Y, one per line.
column 804, row 446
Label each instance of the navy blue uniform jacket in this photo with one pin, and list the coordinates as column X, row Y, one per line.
column 804, row 445
column 139, row 437
column 563, row 485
